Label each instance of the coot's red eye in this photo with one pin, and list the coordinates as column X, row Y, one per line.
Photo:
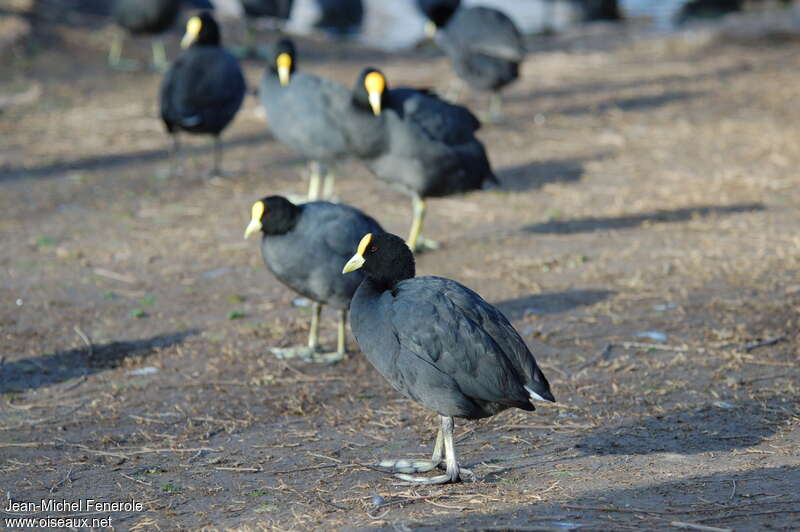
column 373, row 249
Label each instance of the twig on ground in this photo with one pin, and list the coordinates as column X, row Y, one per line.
column 35, row 422
column 693, row 526
column 329, row 503
column 763, row 343
column 241, row 469
column 102, row 272
column 86, row 339
column 137, row 480
column 62, row 481
column 752, row 514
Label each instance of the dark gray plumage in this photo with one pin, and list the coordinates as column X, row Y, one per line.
column 308, row 258
column 305, row 246
column 203, row 89
column 303, row 112
column 416, row 142
column 483, row 44
column 438, row 342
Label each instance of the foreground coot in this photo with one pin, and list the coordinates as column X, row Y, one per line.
column 438, row 343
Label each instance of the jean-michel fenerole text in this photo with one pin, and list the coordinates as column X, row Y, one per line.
column 80, row 505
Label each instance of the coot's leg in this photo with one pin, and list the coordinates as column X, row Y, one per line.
column 328, row 183
column 175, row 162
column 495, row 107
column 341, row 344
column 160, row 62
column 216, row 171
column 305, row 352
column 115, row 59
column 454, row 472
column 313, row 333
column 405, row 466
column 416, row 242
column 314, row 180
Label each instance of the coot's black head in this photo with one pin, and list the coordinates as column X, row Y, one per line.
column 273, row 215
column 439, row 12
column 283, row 60
column 201, row 30
column 370, row 90
column 384, row 257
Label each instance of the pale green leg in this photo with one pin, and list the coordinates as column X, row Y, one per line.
column 160, row 62
column 416, row 242
column 341, row 343
column 115, row 59
column 175, row 159
column 453, row 473
column 405, row 466
column 328, row 183
column 216, row 171
column 305, row 352
column 314, row 181
column 495, row 107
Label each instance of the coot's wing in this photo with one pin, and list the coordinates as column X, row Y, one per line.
column 344, row 229
column 486, row 31
column 449, row 326
column 437, row 119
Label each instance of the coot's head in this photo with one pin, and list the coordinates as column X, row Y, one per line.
column 384, row 257
column 273, row 215
column 438, row 13
column 283, row 60
column 201, row 30
column 370, row 90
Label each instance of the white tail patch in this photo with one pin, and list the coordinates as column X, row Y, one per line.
column 535, row 396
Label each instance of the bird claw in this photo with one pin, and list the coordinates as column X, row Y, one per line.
column 404, row 466
column 460, row 475
column 425, row 244
column 328, row 358
column 308, row 354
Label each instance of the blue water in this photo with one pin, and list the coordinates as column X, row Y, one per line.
column 661, row 12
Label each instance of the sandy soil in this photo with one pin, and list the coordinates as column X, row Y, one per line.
column 649, row 197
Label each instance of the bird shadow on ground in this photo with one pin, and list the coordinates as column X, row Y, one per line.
column 719, row 427
column 550, row 303
column 719, row 499
column 536, row 174
column 635, row 103
column 589, row 225
column 106, row 162
column 37, row 372
column 600, row 87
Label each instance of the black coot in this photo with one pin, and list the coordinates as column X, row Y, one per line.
column 204, row 88
column 483, row 44
column 438, row 343
column 304, row 113
column 418, row 143
column 146, row 17
column 305, row 247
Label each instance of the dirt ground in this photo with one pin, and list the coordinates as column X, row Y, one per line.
column 646, row 242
